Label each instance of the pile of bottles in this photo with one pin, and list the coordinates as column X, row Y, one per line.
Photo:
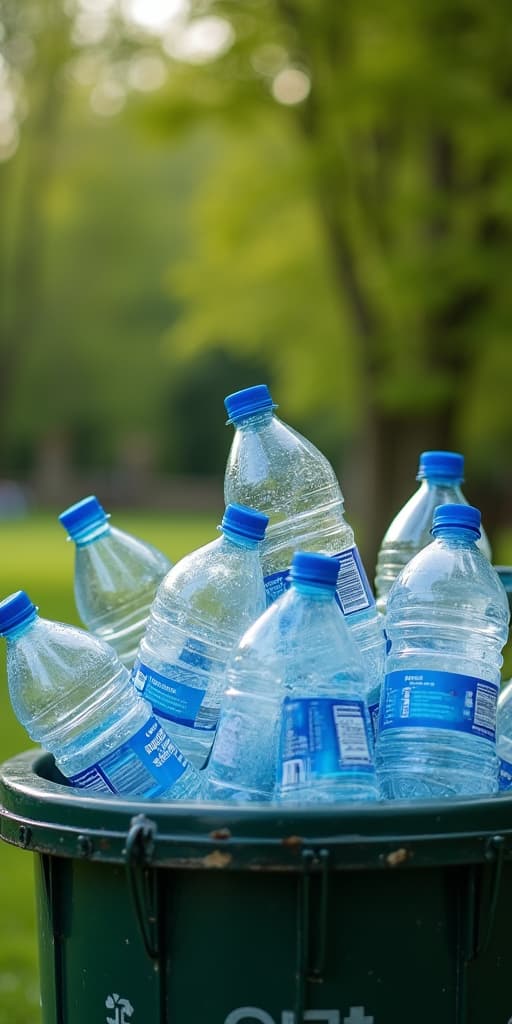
column 260, row 667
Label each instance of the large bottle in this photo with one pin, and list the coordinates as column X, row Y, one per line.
column 441, row 474
column 273, row 468
column 504, row 723
column 447, row 622
column 504, row 737
column 202, row 608
column 116, row 577
column 72, row 694
column 294, row 723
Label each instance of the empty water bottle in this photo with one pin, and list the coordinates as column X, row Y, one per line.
column 447, row 622
column 116, row 577
column 294, row 722
column 504, row 737
column 273, row 468
column 202, row 608
column 504, row 722
column 441, row 474
column 72, row 694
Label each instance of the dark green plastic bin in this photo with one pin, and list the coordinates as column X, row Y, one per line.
column 153, row 913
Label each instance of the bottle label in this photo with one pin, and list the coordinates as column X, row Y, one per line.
column 276, row 584
column 323, row 737
column 227, row 746
column 147, row 765
column 442, row 700
column 169, row 698
column 374, row 718
column 353, row 591
column 504, row 774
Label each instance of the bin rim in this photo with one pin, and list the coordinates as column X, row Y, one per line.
column 42, row 815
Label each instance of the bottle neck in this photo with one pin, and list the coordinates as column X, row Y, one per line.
column 447, row 483
column 91, row 534
column 249, row 543
column 456, row 534
column 254, row 421
column 314, row 591
column 23, row 627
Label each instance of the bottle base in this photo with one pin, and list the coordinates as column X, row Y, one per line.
column 407, row 784
column 336, row 793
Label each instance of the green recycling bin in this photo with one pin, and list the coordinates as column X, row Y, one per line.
column 159, row 913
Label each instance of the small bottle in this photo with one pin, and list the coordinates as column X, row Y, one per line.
column 202, row 608
column 116, row 577
column 72, row 694
column 447, row 622
column 441, row 474
column 274, row 469
column 294, row 723
column 504, row 724
column 504, row 737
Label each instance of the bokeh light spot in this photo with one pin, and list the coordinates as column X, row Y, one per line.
column 291, row 86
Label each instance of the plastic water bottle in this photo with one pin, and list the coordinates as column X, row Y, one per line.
column 504, row 723
column 294, row 720
column 441, row 474
column 447, row 622
column 273, row 468
column 504, row 737
column 202, row 608
column 116, row 577
column 72, row 694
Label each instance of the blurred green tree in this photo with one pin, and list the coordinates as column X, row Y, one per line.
column 357, row 225
column 320, row 189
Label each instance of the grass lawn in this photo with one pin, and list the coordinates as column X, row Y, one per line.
column 34, row 556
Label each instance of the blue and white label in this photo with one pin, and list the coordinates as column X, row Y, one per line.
column 323, row 737
column 169, row 698
column 147, row 765
column 504, row 774
column 353, row 591
column 276, row 584
column 442, row 700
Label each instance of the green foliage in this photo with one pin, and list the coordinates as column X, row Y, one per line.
column 382, row 197
column 351, row 239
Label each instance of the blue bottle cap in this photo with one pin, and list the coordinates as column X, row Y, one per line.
column 245, row 522
column 464, row 517
column 14, row 610
column 247, row 402
column 447, row 465
column 85, row 513
column 310, row 567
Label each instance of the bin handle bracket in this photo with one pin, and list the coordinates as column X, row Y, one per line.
column 139, row 847
column 306, row 970
column 495, row 854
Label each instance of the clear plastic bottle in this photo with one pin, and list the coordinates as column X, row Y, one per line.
column 202, row 608
column 504, row 737
column 273, row 468
column 504, row 724
column 294, row 722
column 441, row 474
column 116, row 577
column 72, row 694
column 447, row 622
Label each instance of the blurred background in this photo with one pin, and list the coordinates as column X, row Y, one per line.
column 196, row 196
